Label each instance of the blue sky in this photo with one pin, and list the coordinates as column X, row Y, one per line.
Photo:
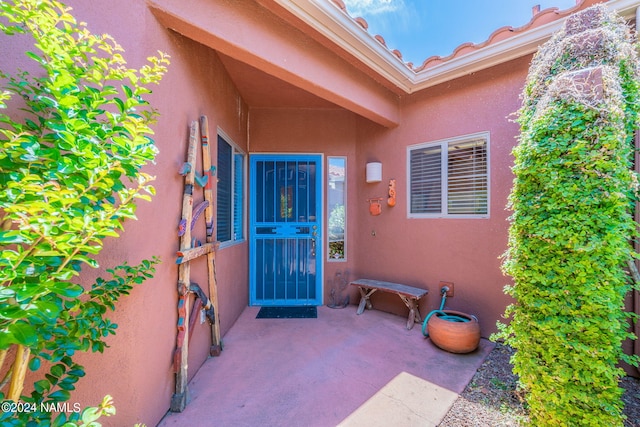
column 422, row 28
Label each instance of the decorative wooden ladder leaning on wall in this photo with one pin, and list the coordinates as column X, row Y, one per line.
column 190, row 250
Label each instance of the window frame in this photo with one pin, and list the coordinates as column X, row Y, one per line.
column 444, row 144
column 235, row 151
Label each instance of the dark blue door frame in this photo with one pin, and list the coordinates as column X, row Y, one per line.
column 285, row 229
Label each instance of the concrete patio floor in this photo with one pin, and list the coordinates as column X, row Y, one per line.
column 339, row 369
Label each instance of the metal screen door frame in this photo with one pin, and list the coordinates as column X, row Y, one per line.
column 285, row 229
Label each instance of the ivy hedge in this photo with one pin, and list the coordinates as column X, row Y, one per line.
column 572, row 222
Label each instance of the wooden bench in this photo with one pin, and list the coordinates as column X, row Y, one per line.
column 409, row 295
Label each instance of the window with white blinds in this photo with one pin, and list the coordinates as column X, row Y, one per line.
column 230, row 212
column 449, row 178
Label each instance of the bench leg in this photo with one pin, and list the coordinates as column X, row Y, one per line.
column 418, row 317
column 414, row 313
column 364, row 300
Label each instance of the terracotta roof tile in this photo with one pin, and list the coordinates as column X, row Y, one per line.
column 380, row 39
column 363, row 22
column 539, row 18
column 340, row 4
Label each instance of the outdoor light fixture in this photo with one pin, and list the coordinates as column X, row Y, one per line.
column 374, row 172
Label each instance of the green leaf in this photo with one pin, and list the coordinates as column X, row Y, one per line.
column 48, row 309
column 6, row 339
column 127, row 90
column 91, row 414
column 35, row 57
column 42, row 386
column 11, row 237
column 61, row 421
column 67, row 384
column 76, row 372
column 68, row 290
column 120, row 104
column 24, row 334
column 57, row 370
column 29, row 290
column 59, row 396
column 34, row 363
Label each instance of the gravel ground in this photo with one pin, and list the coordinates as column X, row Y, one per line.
column 491, row 398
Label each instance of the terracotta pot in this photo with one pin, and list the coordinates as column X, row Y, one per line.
column 454, row 336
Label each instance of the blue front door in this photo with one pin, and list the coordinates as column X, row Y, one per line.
column 285, row 230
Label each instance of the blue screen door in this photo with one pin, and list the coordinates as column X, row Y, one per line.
column 285, row 229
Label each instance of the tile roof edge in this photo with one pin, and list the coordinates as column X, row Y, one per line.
column 539, row 17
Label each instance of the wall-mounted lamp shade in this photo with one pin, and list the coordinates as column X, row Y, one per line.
column 374, row 172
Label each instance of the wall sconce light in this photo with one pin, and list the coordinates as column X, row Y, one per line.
column 374, row 172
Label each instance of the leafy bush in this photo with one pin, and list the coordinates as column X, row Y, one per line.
column 572, row 223
column 70, row 174
column 336, row 222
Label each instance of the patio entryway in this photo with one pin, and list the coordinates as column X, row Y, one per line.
column 286, row 230
column 338, row 369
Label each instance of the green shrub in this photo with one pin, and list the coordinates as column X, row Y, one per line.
column 72, row 146
column 572, row 222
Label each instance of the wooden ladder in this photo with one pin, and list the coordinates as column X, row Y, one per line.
column 189, row 251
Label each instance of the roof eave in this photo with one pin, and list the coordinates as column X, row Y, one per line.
column 514, row 47
column 345, row 32
column 341, row 29
column 518, row 45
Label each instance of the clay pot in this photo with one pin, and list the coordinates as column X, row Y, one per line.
column 454, row 336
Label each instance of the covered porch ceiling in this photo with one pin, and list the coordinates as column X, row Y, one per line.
column 262, row 90
column 261, row 48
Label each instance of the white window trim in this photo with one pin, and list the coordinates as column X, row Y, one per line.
column 444, row 143
column 245, row 204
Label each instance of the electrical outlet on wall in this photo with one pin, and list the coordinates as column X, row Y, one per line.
column 449, row 286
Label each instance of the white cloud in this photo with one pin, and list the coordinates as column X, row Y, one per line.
column 373, row 7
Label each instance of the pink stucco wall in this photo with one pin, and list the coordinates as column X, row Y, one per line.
column 423, row 252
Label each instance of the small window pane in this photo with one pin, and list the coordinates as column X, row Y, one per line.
column 336, row 208
column 238, row 189
column 225, row 184
column 467, row 177
column 230, row 193
column 426, row 180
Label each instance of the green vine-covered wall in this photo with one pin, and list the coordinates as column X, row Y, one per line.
column 572, row 222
